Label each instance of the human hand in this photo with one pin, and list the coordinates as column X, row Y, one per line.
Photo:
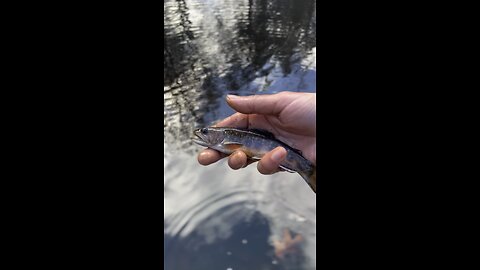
column 290, row 116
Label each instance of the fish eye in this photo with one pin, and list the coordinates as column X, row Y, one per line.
column 204, row 131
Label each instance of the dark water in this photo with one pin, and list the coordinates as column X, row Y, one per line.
column 214, row 48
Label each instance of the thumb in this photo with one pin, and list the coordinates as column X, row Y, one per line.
column 258, row 104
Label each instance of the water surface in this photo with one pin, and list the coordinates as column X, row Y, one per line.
column 217, row 218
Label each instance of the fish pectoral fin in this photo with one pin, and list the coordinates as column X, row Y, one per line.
column 286, row 169
column 229, row 143
column 232, row 145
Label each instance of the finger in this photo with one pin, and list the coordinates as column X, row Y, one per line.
column 209, row 156
column 237, row 160
column 238, row 120
column 259, row 104
column 270, row 161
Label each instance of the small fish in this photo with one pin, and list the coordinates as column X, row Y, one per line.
column 255, row 144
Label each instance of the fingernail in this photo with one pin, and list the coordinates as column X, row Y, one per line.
column 232, row 97
column 278, row 155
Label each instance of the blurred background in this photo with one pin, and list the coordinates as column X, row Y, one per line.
column 214, row 217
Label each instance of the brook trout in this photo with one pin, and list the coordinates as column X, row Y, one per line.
column 255, row 144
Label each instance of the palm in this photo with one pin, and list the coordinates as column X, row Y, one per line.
column 295, row 126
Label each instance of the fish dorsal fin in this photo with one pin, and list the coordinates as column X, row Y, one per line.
column 257, row 131
column 263, row 132
column 298, row 151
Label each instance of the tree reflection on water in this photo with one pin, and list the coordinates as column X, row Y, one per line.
column 216, row 47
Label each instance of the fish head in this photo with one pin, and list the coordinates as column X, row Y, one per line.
column 208, row 136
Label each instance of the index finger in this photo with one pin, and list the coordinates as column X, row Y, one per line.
column 209, row 156
column 238, row 120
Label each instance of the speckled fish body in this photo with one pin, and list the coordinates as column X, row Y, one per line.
column 255, row 144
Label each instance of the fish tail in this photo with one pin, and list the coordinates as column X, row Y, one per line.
column 311, row 178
